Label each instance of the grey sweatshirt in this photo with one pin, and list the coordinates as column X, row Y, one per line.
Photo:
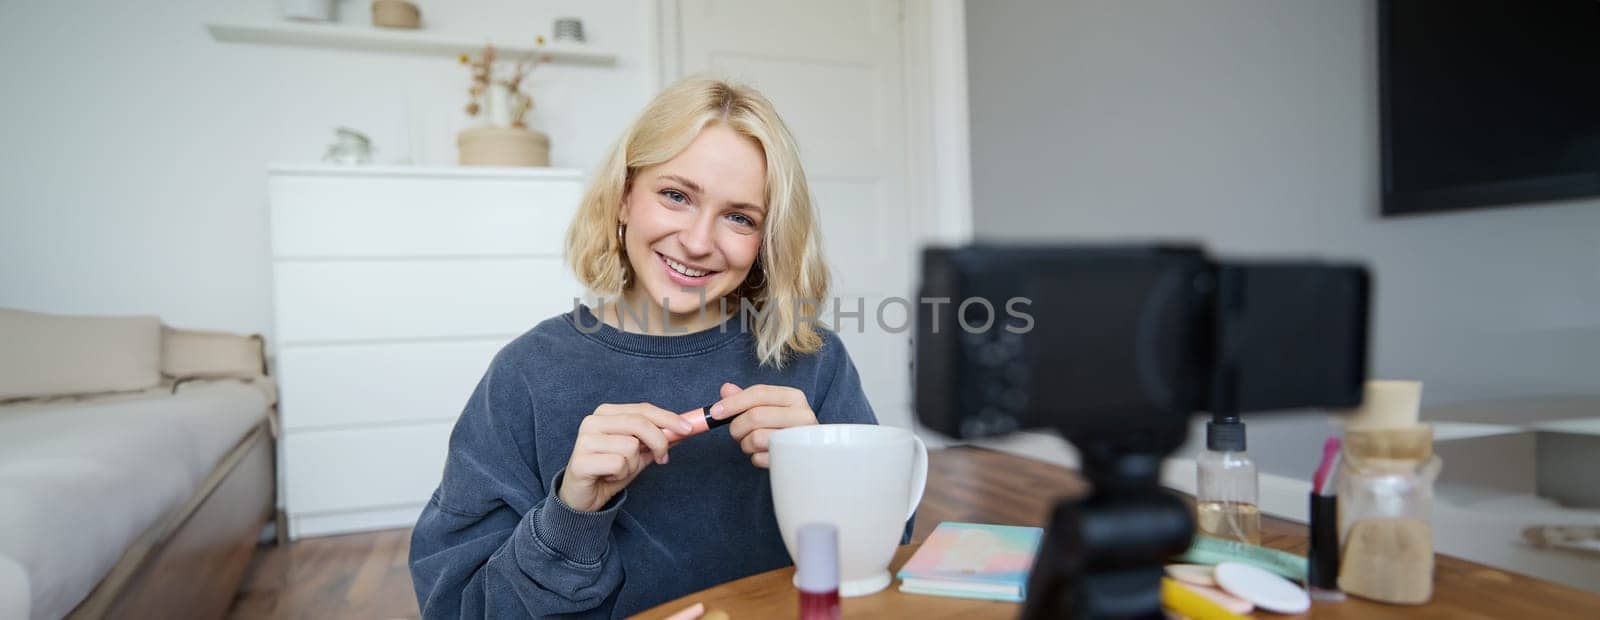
column 496, row 541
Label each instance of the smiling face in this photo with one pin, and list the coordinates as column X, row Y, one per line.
column 695, row 222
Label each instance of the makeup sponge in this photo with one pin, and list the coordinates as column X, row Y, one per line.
column 1264, row 589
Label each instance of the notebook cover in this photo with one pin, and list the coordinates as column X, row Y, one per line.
column 974, row 553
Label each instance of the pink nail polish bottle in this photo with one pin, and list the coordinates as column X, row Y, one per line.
column 817, row 571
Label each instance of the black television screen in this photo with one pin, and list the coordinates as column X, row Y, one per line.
column 1488, row 102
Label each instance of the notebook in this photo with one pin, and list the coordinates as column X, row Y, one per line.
column 973, row 560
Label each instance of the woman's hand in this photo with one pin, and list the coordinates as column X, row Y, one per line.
column 762, row 409
column 610, row 452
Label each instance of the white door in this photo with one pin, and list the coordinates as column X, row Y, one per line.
column 833, row 69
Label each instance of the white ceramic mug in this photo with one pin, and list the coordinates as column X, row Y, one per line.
column 865, row 479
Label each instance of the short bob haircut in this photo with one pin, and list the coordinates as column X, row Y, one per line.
column 792, row 279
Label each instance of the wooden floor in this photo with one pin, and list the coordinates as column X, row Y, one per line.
column 355, row 576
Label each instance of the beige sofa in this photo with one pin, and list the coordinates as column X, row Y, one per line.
column 136, row 466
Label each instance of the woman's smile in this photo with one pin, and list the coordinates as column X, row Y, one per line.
column 685, row 274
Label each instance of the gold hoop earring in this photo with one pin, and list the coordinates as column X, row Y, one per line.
column 756, row 287
column 622, row 251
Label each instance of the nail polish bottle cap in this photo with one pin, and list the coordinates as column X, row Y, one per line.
column 817, row 567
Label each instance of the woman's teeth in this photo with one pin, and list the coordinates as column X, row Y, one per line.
column 684, row 269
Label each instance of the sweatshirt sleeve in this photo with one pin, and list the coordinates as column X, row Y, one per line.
column 495, row 540
column 841, row 399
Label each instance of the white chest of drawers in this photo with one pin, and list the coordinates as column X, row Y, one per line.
column 393, row 288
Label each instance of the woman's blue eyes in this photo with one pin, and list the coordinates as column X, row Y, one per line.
column 683, row 199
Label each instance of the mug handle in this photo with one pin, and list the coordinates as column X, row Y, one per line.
column 919, row 476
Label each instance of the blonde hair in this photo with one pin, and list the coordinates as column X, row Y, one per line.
column 796, row 278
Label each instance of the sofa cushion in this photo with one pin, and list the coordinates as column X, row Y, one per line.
column 82, row 480
column 53, row 355
column 189, row 353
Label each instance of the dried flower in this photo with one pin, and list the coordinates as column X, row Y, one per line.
column 483, row 76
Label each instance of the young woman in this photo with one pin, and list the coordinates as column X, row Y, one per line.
column 572, row 486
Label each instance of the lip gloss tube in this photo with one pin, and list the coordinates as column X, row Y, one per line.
column 700, row 419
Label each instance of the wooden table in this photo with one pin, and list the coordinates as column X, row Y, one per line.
column 978, row 485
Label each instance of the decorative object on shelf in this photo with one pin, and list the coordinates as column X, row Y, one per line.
column 396, row 14
column 350, row 148
column 505, row 139
column 503, row 146
column 568, row 29
column 308, row 10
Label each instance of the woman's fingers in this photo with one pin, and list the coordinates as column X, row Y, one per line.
column 761, row 410
column 764, row 417
column 609, row 451
column 610, row 444
column 658, row 416
column 757, row 417
column 637, row 426
column 666, row 419
column 757, row 441
column 758, row 395
column 626, row 447
column 598, row 466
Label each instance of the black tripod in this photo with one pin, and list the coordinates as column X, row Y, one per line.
column 1102, row 554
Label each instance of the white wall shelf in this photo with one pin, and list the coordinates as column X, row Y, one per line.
column 369, row 38
column 421, row 172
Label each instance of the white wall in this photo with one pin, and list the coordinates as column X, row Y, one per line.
column 132, row 178
column 1253, row 127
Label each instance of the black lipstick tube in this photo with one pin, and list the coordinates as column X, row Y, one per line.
column 1322, row 560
